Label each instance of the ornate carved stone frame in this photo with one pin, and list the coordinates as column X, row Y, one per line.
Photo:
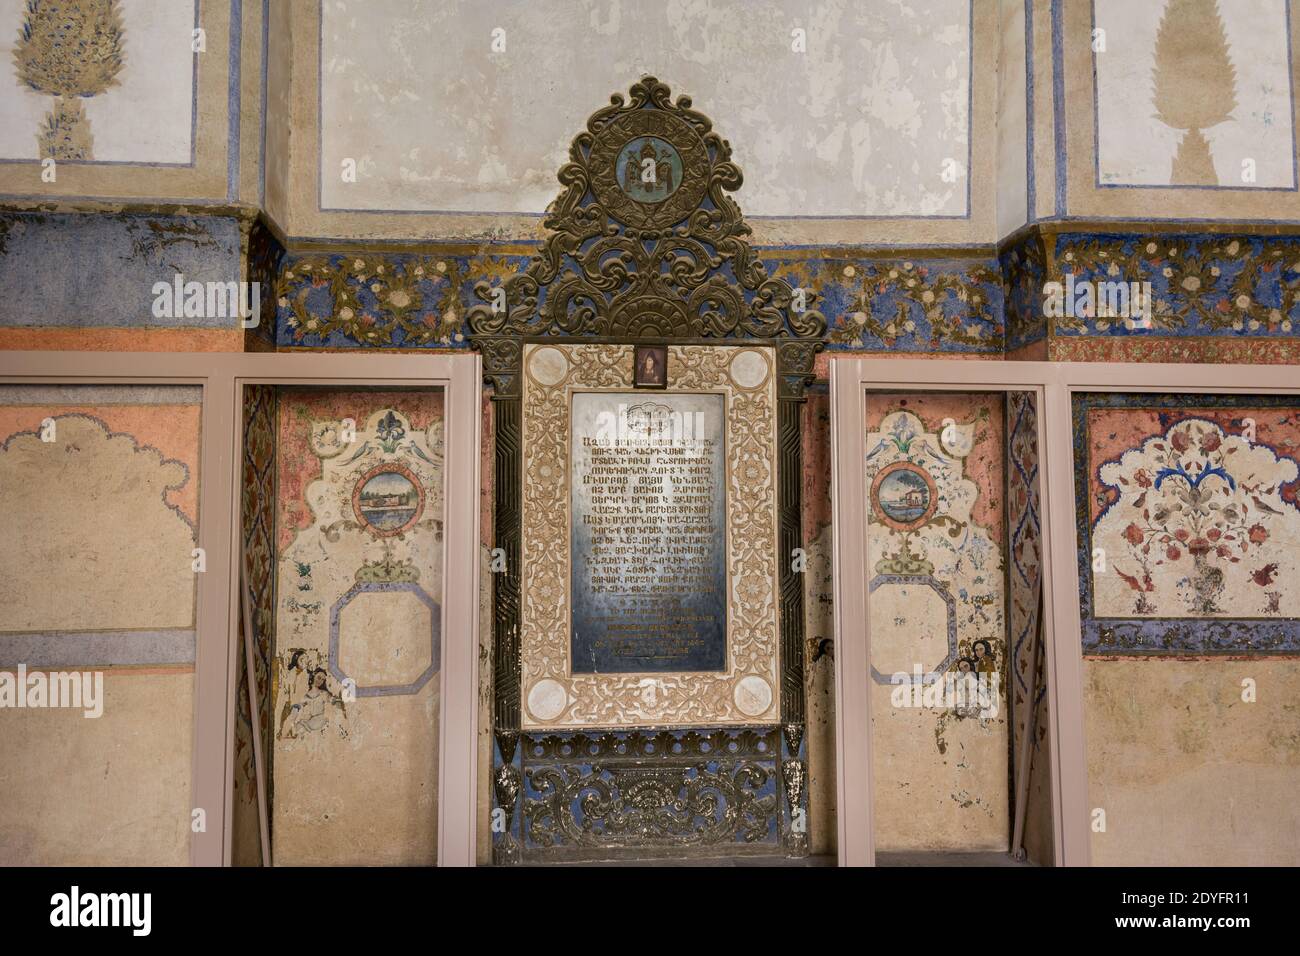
column 553, row 696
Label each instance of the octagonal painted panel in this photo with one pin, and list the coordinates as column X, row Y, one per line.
column 366, row 640
column 920, row 627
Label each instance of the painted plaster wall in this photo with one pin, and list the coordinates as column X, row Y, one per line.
column 1166, row 61
column 1188, row 112
column 1190, row 631
column 936, row 547
column 153, row 79
column 147, row 115
column 1188, row 773
column 863, row 124
column 1012, row 168
column 359, row 565
column 855, row 126
column 52, row 265
column 279, row 92
column 98, row 577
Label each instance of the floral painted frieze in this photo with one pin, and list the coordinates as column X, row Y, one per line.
column 1024, row 273
column 381, row 300
column 405, row 300
column 929, row 305
column 1192, row 526
column 1199, row 284
column 1212, row 297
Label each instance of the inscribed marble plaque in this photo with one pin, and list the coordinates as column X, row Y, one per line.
column 648, row 533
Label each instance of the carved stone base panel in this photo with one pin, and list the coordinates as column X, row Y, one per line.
column 748, row 689
column 653, row 793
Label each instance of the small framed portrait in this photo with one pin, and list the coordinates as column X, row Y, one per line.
column 650, row 366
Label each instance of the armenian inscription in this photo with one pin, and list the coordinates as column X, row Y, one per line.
column 648, row 506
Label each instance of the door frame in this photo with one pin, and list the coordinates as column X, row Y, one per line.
column 1055, row 384
column 851, row 378
column 222, row 376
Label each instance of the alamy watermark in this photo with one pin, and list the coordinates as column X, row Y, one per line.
column 970, row 693
column 78, row 690
column 652, row 425
column 75, row 908
column 179, row 299
column 1088, row 299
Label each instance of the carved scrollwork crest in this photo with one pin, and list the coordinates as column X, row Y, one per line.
column 645, row 242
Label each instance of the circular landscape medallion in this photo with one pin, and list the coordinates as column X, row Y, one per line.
column 388, row 499
column 904, row 496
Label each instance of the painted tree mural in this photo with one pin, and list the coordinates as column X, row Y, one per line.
column 69, row 49
column 1195, row 84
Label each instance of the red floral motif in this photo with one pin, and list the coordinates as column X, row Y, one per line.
column 1264, row 576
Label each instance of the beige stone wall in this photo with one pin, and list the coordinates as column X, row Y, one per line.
column 1188, row 773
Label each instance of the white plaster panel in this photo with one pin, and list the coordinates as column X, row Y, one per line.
column 859, row 124
column 1136, row 148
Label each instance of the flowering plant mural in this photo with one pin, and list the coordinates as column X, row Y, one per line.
column 1198, row 522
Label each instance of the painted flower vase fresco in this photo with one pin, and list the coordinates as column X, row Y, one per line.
column 1198, row 521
